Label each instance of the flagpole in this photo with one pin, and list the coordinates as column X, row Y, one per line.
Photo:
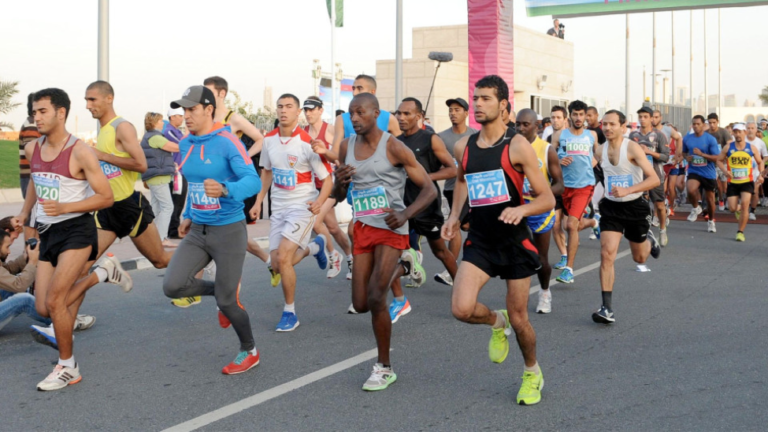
column 333, row 58
column 399, row 54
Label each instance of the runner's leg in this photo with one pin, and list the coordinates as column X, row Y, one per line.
column 466, row 287
column 441, row 252
column 517, row 308
column 149, row 245
column 542, row 240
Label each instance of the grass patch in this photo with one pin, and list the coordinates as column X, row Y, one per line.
column 9, row 164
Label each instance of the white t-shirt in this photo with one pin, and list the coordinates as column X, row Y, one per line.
column 760, row 144
column 292, row 163
column 548, row 131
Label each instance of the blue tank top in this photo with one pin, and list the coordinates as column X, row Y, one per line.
column 382, row 122
column 579, row 173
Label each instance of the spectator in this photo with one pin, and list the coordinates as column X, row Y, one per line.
column 157, row 177
column 27, row 134
column 557, row 30
column 172, row 133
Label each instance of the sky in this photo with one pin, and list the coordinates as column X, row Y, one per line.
column 159, row 48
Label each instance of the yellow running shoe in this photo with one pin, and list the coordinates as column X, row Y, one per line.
column 274, row 278
column 498, row 347
column 740, row 237
column 186, row 302
column 530, row 390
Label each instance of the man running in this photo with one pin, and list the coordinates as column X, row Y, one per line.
column 458, row 109
column 541, row 225
column 374, row 169
column 559, row 117
column 288, row 164
column 624, row 210
column 655, row 145
column 723, row 137
column 741, row 158
column 701, row 151
column 220, row 176
column 67, row 184
column 494, row 163
column 759, row 144
column 672, row 169
column 575, row 148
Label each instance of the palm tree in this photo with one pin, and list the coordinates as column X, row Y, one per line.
column 764, row 96
column 7, row 91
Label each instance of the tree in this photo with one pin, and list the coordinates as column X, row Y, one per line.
column 263, row 118
column 764, row 96
column 7, row 90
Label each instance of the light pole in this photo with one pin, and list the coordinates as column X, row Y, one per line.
column 664, row 86
column 316, row 75
column 103, row 45
column 399, row 53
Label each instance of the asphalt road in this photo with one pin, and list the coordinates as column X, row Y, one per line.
column 687, row 352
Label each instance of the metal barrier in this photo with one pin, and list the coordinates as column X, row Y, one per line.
column 678, row 115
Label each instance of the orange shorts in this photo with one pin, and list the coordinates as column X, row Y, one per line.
column 575, row 201
column 368, row 237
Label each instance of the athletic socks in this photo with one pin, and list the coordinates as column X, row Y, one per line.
column 70, row 362
column 290, row 308
column 349, row 258
column 269, row 261
column 607, row 297
column 101, row 274
column 535, row 368
column 501, row 322
column 254, row 351
column 314, row 248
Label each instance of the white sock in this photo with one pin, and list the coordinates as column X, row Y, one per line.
column 314, row 248
column 569, row 269
column 501, row 321
column 290, row 308
column 101, row 274
column 349, row 258
column 269, row 261
column 535, row 368
column 70, row 362
column 254, row 351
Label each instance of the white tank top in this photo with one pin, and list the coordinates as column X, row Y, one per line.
column 625, row 174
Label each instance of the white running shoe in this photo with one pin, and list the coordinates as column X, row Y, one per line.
column 592, row 236
column 752, row 217
column 349, row 270
column 351, row 309
column 711, row 227
column 545, row 301
column 380, row 378
column 61, row 377
column 695, row 212
column 209, row 272
column 444, row 278
column 334, row 264
column 84, row 322
column 115, row 272
column 655, row 221
column 721, row 206
column 663, row 239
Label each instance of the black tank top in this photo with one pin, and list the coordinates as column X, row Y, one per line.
column 421, row 145
column 485, row 228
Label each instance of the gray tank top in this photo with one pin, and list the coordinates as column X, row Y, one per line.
column 376, row 184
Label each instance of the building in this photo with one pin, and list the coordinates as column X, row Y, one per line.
column 543, row 75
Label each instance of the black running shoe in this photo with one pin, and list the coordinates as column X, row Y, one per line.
column 603, row 316
column 655, row 247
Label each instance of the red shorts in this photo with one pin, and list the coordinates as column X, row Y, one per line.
column 667, row 169
column 368, row 237
column 575, row 201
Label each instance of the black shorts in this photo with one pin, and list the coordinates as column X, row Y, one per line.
column 657, row 194
column 464, row 215
column 708, row 185
column 72, row 234
column 425, row 228
column 631, row 218
column 738, row 189
column 519, row 261
column 559, row 203
column 129, row 217
column 448, row 194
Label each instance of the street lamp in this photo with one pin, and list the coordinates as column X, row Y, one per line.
column 664, row 87
column 317, row 75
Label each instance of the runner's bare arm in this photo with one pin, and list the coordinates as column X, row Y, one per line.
column 394, row 126
column 125, row 137
column 320, row 172
column 448, row 170
column 399, row 154
column 636, row 155
column 89, row 165
column 720, row 161
column 31, row 198
column 451, row 226
column 343, row 173
column 240, row 123
column 595, row 161
column 522, row 157
column 555, row 172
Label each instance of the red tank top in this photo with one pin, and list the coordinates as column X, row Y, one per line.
column 60, row 165
column 321, row 137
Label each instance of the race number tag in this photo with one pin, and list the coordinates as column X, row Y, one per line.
column 698, row 161
column 577, row 149
column 284, row 178
column 487, row 188
column 369, row 202
column 527, row 190
column 623, row 181
column 110, row 170
column 650, row 159
column 740, row 173
column 201, row 201
column 47, row 186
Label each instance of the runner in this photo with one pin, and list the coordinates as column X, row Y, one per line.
column 288, row 164
column 723, row 137
column 701, row 151
column 624, row 209
column 67, row 184
column 374, row 169
column 575, row 148
column 458, row 109
column 541, row 225
column 220, row 177
column 655, row 145
column 758, row 143
column 494, row 162
column 559, row 118
column 672, row 169
column 741, row 157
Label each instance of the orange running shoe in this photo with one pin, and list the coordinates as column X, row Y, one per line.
column 244, row 361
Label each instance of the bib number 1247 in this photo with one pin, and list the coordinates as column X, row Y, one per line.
column 487, row 188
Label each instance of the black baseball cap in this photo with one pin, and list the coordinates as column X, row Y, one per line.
column 195, row 95
column 312, row 104
column 459, row 101
column 645, row 109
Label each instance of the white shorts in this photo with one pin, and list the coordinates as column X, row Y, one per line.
column 293, row 224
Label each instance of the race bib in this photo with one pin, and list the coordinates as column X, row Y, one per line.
column 201, row 201
column 698, row 161
column 47, row 186
column 527, row 190
column 650, row 159
column 623, row 181
column 487, row 188
column 740, row 173
column 577, row 149
column 369, row 202
column 284, row 178
column 110, row 170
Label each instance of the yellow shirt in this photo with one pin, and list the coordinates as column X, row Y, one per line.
column 541, row 148
column 122, row 181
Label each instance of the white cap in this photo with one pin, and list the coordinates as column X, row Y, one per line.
column 176, row 111
column 740, row 126
column 539, row 117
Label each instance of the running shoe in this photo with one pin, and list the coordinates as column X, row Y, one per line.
column 244, row 361
column 737, row 214
column 209, row 271
column 288, row 322
column 322, row 254
column 562, row 263
column 380, row 378
column 592, row 236
column 498, row 346
column 530, row 390
column 274, row 277
column 334, row 267
column 695, row 212
column 655, row 221
column 566, row 276
column 711, row 226
column 410, row 259
column 596, row 228
column 349, row 270
column 115, row 272
column 186, row 302
column 84, row 322
column 670, row 212
column 545, row 301
column 752, row 217
column 720, row 205
column 655, row 246
column 664, row 238
column 603, row 316
column 45, row 335
column 740, row 237
column 351, row 310
column 668, row 220
column 61, row 377
column 223, row 320
column 398, row 309
column 444, row 278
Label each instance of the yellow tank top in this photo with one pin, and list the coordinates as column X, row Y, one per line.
column 739, row 164
column 122, row 181
column 541, row 148
column 226, row 122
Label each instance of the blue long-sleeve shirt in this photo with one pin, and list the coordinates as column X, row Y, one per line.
column 218, row 155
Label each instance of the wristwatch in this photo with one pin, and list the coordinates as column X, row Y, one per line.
column 224, row 190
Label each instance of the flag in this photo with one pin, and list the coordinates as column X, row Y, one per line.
column 339, row 11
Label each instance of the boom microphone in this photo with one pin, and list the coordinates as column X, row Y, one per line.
column 443, row 57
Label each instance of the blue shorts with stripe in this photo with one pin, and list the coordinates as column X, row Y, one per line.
column 542, row 223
